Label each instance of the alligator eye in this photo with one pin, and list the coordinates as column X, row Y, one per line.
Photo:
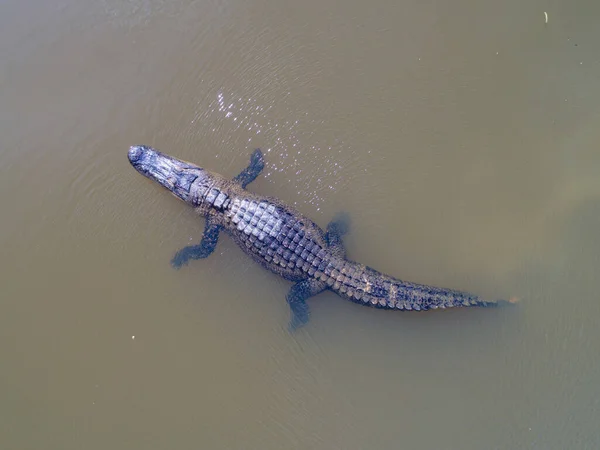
column 135, row 152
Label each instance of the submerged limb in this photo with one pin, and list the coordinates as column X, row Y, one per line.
column 249, row 174
column 205, row 248
column 336, row 229
column 296, row 298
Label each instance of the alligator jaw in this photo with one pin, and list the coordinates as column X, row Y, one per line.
column 172, row 173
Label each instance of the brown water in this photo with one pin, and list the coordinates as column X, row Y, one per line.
column 461, row 137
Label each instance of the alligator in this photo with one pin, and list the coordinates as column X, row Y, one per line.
column 284, row 241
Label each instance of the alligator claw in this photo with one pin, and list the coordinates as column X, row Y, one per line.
column 300, row 316
column 180, row 259
column 257, row 158
column 249, row 174
column 340, row 224
column 296, row 298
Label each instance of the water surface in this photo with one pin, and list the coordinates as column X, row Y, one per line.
column 463, row 141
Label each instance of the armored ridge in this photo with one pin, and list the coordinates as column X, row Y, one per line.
column 284, row 241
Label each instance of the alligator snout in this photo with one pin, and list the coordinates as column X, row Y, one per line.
column 172, row 173
column 136, row 152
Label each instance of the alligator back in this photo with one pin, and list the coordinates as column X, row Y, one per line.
column 277, row 236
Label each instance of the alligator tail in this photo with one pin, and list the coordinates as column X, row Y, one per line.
column 372, row 288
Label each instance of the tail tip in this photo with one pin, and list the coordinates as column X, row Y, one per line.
column 514, row 300
column 502, row 302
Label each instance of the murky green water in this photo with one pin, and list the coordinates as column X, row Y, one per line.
column 463, row 140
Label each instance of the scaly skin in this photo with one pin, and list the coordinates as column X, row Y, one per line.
column 284, row 241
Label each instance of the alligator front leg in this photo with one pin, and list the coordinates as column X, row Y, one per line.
column 296, row 298
column 206, row 247
column 249, row 174
column 336, row 229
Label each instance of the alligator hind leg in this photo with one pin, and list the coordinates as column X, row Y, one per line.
column 206, row 247
column 296, row 298
column 249, row 174
column 336, row 229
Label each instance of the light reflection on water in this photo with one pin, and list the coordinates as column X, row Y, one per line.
column 291, row 150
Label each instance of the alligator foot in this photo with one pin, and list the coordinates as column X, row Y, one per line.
column 205, row 248
column 296, row 298
column 336, row 229
column 249, row 174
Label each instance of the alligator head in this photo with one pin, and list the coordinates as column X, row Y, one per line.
column 185, row 180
